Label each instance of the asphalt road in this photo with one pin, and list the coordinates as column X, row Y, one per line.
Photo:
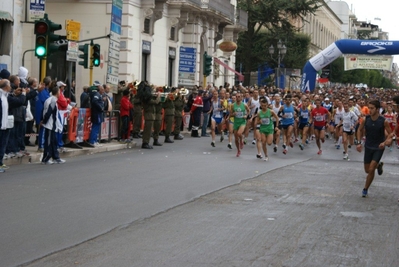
column 128, row 208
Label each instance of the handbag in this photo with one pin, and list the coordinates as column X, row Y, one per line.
column 10, row 122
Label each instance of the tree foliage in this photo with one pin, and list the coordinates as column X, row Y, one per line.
column 274, row 17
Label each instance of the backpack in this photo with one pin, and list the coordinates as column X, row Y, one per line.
column 144, row 92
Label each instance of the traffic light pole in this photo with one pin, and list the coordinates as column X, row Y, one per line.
column 204, row 84
column 91, row 62
column 43, row 68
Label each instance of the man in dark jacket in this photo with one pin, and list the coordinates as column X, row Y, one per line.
column 97, row 113
column 16, row 101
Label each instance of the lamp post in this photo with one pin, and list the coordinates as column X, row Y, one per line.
column 282, row 50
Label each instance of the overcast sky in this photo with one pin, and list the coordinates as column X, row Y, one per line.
column 385, row 10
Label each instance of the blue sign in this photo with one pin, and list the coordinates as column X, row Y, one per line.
column 37, row 5
column 187, row 59
column 116, row 19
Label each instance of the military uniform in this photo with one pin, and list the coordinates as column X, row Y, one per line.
column 169, row 115
column 157, row 123
column 137, row 117
column 149, row 118
column 179, row 105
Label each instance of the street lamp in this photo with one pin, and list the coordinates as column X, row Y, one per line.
column 282, row 50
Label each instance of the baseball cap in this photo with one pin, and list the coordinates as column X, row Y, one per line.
column 60, row 83
column 327, row 99
column 96, row 83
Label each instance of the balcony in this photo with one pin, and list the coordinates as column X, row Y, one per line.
column 241, row 18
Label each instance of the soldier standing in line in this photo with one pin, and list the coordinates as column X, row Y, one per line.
column 179, row 105
column 137, row 116
column 169, row 114
column 149, row 118
column 158, row 120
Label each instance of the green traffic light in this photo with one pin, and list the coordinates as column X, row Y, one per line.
column 40, row 51
column 96, row 62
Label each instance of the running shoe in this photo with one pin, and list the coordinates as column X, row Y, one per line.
column 221, row 138
column 291, row 145
column 296, row 140
column 364, row 193
column 266, row 158
column 259, row 156
column 229, row 146
column 337, row 146
column 238, row 153
column 213, row 144
column 319, row 153
column 307, row 141
column 254, row 142
column 284, row 146
column 245, row 141
column 346, row 156
column 322, row 140
column 349, row 146
column 301, row 146
column 5, row 167
column 379, row 168
column 285, row 151
column 49, row 162
column 275, row 149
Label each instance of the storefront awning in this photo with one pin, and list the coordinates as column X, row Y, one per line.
column 240, row 76
column 6, row 16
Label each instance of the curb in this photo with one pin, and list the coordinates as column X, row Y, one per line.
column 35, row 156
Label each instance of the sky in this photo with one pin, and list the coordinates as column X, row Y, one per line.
column 386, row 10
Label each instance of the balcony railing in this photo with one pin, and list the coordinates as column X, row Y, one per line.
column 223, row 7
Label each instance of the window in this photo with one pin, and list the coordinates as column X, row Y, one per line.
column 172, row 33
column 147, row 25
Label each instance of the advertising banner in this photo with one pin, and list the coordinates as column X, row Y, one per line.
column 368, row 62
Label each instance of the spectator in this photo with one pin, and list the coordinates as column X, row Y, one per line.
column 63, row 109
column 206, row 110
column 97, row 112
column 41, row 98
column 126, row 107
column 16, row 101
column 52, row 126
column 5, row 88
column 85, row 98
column 4, row 74
column 30, row 105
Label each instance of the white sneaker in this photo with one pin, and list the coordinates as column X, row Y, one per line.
column 5, row 157
column 97, row 144
column 19, row 155
column 11, row 155
column 49, row 162
column 59, row 161
column 253, row 142
column 346, row 156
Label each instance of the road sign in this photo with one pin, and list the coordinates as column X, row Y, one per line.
column 72, row 53
column 72, row 29
column 187, row 65
column 114, row 43
column 36, row 9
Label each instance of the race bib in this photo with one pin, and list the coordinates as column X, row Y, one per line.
column 289, row 115
column 319, row 118
column 239, row 114
column 305, row 115
column 265, row 121
column 347, row 125
column 218, row 115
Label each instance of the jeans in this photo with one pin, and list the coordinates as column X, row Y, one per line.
column 125, row 127
column 95, row 129
column 4, row 134
column 205, row 123
column 40, row 137
column 16, row 139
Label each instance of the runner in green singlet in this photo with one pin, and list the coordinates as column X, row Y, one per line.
column 239, row 111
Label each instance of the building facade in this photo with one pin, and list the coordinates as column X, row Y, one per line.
column 153, row 33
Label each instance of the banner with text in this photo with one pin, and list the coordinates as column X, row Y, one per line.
column 368, row 62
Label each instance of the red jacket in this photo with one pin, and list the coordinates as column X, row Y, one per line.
column 62, row 102
column 126, row 106
column 197, row 103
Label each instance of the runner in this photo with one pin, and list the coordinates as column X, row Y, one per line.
column 287, row 113
column 303, row 126
column 375, row 126
column 348, row 122
column 319, row 116
column 253, row 105
column 266, row 126
column 276, row 105
column 337, row 116
column 391, row 118
column 230, row 121
column 239, row 111
column 217, row 119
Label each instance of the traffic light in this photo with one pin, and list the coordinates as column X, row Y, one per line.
column 41, row 29
column 95, row 56
column 51, row 37
column 207, row 64
column 85, row 49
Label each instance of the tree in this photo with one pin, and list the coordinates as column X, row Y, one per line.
column 274, row 17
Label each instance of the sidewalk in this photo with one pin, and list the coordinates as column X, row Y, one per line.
column 35, row 155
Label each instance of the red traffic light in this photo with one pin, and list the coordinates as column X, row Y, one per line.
column 41, row 27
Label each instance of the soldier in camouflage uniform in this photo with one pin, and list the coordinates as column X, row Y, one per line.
column 179, row 105
column 169, row 115
column 149, row 118
column 157, row 123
